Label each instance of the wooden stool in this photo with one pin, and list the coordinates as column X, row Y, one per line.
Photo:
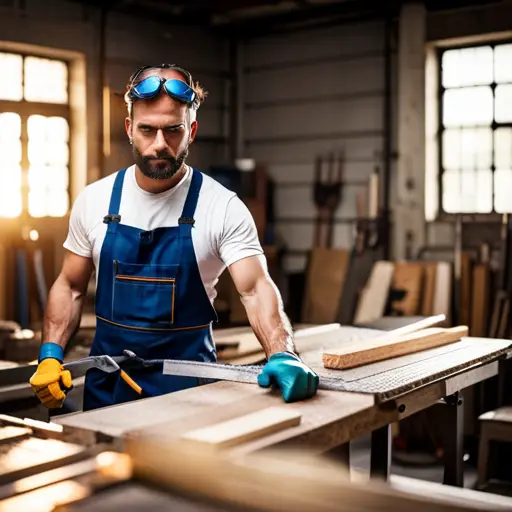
column 495, row 426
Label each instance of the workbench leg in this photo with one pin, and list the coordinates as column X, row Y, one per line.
column 380, row 465
column 454, row 441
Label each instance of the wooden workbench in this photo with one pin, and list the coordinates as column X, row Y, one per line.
column 330, row 419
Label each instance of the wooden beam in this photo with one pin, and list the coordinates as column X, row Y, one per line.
column 245, row 428
column 359, row 354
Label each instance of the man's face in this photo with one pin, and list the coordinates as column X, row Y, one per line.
column 160, row 131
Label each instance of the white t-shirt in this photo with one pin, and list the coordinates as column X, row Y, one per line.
column 224, row 231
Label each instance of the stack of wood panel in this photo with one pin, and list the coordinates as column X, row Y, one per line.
column 404, row 288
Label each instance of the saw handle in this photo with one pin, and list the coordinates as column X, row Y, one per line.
column 131, row 382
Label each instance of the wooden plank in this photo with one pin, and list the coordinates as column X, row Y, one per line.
column 3, row 283
column 325, row 418
column 374, row 296
column 326, row 274
column 429, row 286
column 245, row 428
column 480, row 300
column 354, row 355
column 408, row 277
column 443, row 290
column 465, row 289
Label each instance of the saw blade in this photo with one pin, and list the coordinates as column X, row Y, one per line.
column 234, row 373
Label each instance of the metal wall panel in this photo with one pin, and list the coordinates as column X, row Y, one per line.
column 309, row 93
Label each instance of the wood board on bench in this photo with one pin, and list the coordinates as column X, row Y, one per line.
column 391, row 345
column 390, row 379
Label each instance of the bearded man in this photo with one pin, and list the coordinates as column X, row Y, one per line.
column 159, row 234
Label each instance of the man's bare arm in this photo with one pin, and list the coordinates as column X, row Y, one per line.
column 263, row 304
column 65, row 300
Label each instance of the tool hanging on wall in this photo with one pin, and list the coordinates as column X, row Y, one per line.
column 327, row 197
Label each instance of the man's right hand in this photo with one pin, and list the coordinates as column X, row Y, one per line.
column 50, row 383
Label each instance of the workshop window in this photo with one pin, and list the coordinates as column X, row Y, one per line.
column 34, row 136
column 475, row 136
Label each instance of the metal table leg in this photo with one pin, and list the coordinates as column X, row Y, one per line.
column 380, row 465
column 454, row 441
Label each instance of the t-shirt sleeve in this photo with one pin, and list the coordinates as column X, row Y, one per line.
column 78, row 240
column 239, row 237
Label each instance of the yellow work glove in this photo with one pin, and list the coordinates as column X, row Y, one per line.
column 50, row 381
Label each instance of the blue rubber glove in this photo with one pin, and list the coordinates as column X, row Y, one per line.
column 291, row 375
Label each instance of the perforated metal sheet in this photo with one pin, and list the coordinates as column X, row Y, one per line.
column 392, row 378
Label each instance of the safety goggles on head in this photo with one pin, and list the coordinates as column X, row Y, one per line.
column 150, row 86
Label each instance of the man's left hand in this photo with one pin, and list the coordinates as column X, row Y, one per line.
column 291, row 375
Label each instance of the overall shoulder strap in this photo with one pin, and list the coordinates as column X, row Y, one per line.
column 189, row 209
column 113, row 217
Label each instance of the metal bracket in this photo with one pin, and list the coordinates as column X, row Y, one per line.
column 454, row 400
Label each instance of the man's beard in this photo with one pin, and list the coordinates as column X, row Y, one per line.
column 163, row 167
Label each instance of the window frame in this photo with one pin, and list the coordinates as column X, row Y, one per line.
column 25, row 109
column 470, row 216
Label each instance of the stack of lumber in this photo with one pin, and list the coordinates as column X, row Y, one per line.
column 403, row 288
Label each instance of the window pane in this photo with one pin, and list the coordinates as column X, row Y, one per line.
column 503, row 190
column 467, row 191
column 10, row 190
column 47, row 140
column 58, row 178
column 38, row 177
column 503, row 148
column 58, row 203
column 451, row 149
column 10, row 126
column 451, row 191
column 37, row 203
column 476, row 148
column 503, row 105
column 52, row 203
column 46, row 80
column 10, row 177
column 466, row 107
column 10, row 138
column 467, row 66
column 476, row 191
column 483, row 192
column 11, row 77
column 503, row 63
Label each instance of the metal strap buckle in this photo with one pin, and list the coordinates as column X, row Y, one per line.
column 186, row 220
column 111, row 217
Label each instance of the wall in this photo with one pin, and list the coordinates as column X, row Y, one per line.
column 310, row 93
column 67, row 26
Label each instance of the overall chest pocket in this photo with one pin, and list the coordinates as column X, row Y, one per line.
column 144, row 295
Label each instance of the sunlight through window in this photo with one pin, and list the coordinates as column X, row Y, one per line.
column 11, row 71
column 475, row 141
column 46, row 80
column 34, row 148
column 10, row 164
column 48, row 175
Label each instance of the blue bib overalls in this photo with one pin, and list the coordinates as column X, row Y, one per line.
column 150, row 299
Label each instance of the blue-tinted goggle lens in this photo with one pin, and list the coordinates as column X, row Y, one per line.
column 151, row 85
